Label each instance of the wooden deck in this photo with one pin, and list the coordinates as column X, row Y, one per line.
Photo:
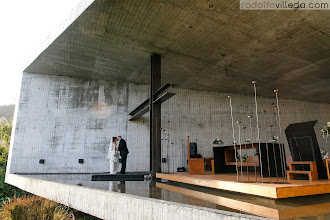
column 228, row 182
column 263, row 207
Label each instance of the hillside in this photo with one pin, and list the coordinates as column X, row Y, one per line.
column 7, row 111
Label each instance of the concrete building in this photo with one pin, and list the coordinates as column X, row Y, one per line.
column 77, row 92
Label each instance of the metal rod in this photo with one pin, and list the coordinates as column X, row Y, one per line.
column 279, row 146
column 264, row 114
column 273, row 143
column 280, row 135
column 168, row 144
column 240, row 147
column 258, row 129
column 275, row 163
column 232, row 125
column 246, row 153
column 284, row 163
column 254, row 161
column 270, row 178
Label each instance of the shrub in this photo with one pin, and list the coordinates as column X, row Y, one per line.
column 6, row 190
column 33, row 208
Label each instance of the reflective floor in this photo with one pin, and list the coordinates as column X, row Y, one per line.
column 308, row 207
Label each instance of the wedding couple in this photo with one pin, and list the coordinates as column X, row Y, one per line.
column 116, row 148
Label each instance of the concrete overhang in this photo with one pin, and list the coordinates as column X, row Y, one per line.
column 219, row 48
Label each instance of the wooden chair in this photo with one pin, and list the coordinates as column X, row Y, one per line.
column 195, row 165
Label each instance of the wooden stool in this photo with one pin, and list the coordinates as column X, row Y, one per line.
column 312, row 173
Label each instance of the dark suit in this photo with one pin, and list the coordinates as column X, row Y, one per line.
column 123, row 153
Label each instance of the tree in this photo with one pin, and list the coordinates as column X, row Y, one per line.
column 5, row 132
column 6, row 190
column 3, row 121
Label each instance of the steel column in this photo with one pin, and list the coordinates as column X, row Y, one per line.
column 155, row 116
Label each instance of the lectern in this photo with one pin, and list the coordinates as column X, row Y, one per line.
column 195, row 165
column 303, row 145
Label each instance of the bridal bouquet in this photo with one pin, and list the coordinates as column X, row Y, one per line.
column 115, row 160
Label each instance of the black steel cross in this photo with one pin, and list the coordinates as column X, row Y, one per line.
column 158, row 95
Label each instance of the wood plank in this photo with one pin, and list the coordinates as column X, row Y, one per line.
column 270, row 190
column 196, row 166
column 302, row 162
column 244, row 164
column 303, row 190
column 299, row 171
column 327, row 164
column 223, row 182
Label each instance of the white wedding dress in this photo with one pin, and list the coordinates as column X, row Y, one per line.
column 113, row 158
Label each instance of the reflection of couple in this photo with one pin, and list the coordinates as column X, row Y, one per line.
column 116, row 148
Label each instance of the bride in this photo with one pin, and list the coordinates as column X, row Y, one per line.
column 113, row 156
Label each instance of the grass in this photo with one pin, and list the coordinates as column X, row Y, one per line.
column 37, row 208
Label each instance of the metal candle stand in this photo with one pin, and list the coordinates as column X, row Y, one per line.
column 281, row 146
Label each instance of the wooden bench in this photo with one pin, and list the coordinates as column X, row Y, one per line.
column 312, row 172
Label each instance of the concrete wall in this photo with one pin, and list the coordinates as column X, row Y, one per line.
column 61, row 119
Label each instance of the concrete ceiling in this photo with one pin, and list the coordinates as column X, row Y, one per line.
column 215, row 49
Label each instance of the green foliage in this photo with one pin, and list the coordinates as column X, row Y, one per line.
column 217, row 141
column 3, row 121
column 31, row 208
column 6, row 190
column 5, row 132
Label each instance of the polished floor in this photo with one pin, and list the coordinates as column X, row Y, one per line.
column 315, row 207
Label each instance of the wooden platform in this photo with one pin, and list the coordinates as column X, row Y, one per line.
column 305, row 207
column 228, row 182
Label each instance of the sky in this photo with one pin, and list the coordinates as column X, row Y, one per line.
column 24, row 25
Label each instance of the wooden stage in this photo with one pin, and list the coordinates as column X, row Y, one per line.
column 318, row 206
column 228, row 182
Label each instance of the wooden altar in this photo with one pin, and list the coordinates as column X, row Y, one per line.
column 269, row 156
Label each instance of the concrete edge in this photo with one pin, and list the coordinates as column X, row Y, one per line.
column 110, row 205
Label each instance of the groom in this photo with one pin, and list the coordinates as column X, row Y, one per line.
column 123, row 153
